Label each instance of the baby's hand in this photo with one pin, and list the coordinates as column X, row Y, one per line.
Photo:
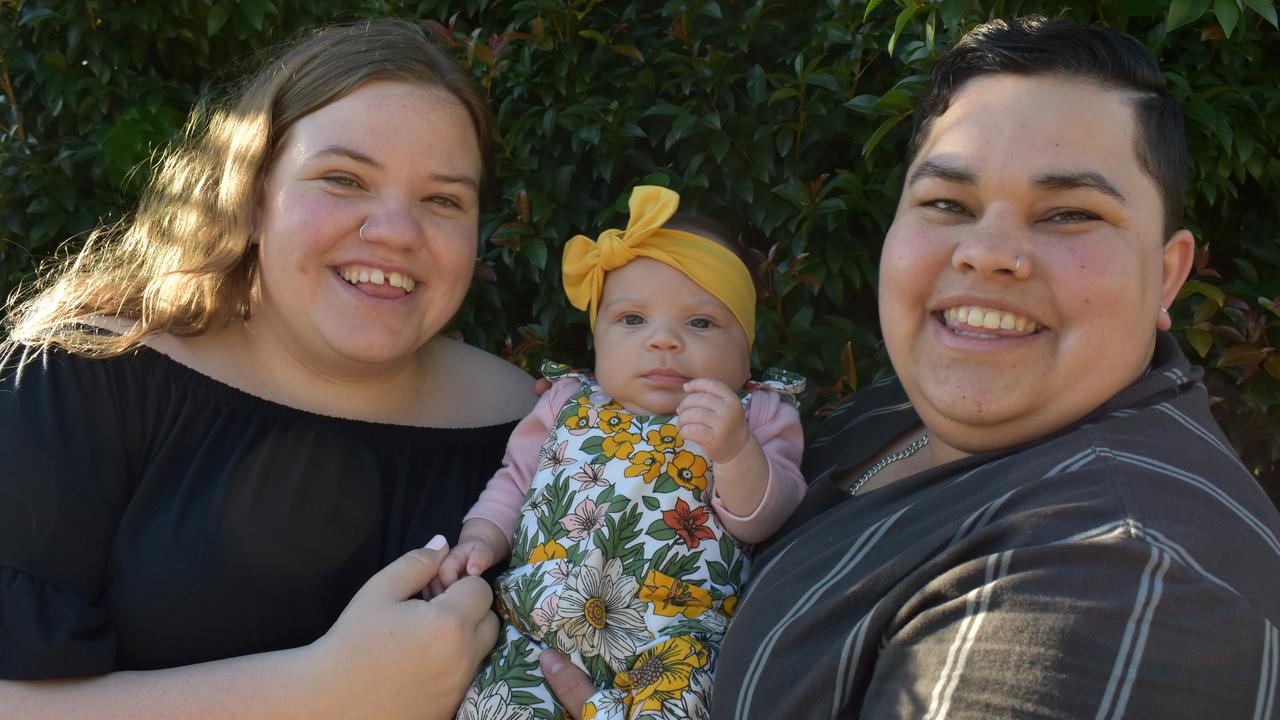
column 480, row 545
column 712, row 416
column 469, row 557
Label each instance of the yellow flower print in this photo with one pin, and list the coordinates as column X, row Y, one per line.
column 647, row 464
column 612, row 421
column 665, row 438
column 671, row 597
column 581, row 421
column 689, row 470
column 620, row 445
column 662, row 672
column 588, row 711
column 730, row 605
column 549, row 550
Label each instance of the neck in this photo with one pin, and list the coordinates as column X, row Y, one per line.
column 276, row 370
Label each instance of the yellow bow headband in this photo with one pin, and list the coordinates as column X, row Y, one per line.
column 713, row 267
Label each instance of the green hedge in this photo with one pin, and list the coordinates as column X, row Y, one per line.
column 787, row 119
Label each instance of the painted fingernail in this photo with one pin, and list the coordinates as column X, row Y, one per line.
column 436, row 543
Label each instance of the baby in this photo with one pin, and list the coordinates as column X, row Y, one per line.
column 626, row 496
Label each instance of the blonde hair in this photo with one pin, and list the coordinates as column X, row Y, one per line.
column 186, row 262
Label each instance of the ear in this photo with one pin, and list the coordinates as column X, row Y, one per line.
column 1179, row 253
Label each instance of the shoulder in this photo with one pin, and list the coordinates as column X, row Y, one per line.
column 484, row 388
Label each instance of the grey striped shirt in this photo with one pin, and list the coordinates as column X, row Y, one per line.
column 1127, row 566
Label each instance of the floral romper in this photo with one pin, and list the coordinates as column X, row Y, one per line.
column 618, row 562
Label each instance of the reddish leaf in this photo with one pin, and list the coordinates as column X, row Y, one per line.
column 1239, row 355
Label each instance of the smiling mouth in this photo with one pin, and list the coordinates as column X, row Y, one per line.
column 986, row 323
column 358, row 274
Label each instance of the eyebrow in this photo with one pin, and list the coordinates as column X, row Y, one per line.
column 943, row 170
column 344, row 151
column 1085, row 179
column 950, row 171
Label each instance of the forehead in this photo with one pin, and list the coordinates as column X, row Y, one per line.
column 396, row 114
column 1028, row 125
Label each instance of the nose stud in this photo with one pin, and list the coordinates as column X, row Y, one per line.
column 362, row 227
column 1017, row 264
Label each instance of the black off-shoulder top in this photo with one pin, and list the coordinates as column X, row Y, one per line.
column 151, row 516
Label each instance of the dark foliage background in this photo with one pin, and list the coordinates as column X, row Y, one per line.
column 785, row 118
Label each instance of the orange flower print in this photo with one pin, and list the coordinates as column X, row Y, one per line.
column 664, row 438
column 689, row 470
column 612, row 421
column 671, row 597
column 620, row 445
column 689, row 523
column 646, row 464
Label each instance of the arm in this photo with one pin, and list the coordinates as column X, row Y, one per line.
column 1105, row 627
column 502, row 497
column 757, row 457
column 389, row 655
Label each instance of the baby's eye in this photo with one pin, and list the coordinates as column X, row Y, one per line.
column 631, row 319
column 701, row 323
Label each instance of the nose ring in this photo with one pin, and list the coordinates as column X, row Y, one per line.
column 1017, row 264
column 362, row 227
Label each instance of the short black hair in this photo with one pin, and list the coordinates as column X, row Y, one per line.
column 1033, row 45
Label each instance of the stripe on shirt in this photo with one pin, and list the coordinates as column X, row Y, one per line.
column 1267, row 678
column 833, row 434
column 976, row 603
column 842, row 567
column 1132, row 645
column 1195, row 480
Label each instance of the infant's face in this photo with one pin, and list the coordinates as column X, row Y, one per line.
column 656, row 330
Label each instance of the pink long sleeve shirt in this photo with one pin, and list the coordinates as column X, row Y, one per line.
column 775, row 425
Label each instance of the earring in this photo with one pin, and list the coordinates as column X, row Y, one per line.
column 1164, row 310
column 362, row 227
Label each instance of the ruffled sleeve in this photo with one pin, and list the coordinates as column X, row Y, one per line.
column 63, row 488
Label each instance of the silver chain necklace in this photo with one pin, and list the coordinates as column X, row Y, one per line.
column 911, row 449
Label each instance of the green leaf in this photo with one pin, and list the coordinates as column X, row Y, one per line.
column 630, row 51
column 782, row 94
column 871, row 6
column 659, row 530
column 218, row 16
column 650, row 502
column 1266, row 9
column 904, row 17
column 1201, row 340
column 1183, row 12
column 879, row 134
column 594, row 35
column 1272, row 366
column 1197, row 287
column 1227, row 13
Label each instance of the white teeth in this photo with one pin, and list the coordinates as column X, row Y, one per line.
column 374, row 276
column 988, row 319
